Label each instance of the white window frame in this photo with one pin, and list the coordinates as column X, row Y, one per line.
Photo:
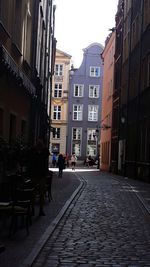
column 93, row 91
column 58, row 69
column 78, row 112
column 56, row 132
column 91, row 134
column 78, row 134
column 57, row 113
column 93, row 71
column 92, row 112
column 79, row 89
column 58, row 90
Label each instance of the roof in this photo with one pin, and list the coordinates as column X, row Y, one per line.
column 63, row 53
column 93, row 44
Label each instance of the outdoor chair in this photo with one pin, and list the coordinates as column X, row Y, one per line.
column 5, row 203
column 22, row 208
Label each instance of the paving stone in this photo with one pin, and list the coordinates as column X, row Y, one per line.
column 104, row 227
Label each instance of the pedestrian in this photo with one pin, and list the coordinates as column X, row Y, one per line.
column 87, row 161
column 54, row 159
column 38, row 171
column 61, row 164
column 73, row 161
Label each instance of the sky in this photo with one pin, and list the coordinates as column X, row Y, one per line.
column 79, row 23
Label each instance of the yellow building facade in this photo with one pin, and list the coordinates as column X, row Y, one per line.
column 59, row 103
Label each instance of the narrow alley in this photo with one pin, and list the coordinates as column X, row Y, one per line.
column 74, row 133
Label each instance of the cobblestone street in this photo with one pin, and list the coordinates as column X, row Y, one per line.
column 106, row 225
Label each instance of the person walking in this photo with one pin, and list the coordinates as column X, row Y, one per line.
column 73, row 161
column 54, row 159
column 61, row 164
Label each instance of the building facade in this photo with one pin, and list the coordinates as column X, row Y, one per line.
column 26, row 38
column 116, row 116
column 134, row 136
column 107, row 93
column 16, row 88
column 59, row 104
column 85, row 104
column 131, row 114
column 43, row 58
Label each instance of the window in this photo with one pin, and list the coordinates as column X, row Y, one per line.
column 78, row 90
column 76, row 149
column 17, row 33
column 56, row 133
column 57, row 113
column 58, row 90
column 58, row 70
column 76, row 141
column 77, row 112
column 76, row 133
column 93, row 91
column 92, row 113
column 91, row 134
column 27, row 32
column 1, row 121
column 91, row 142
column 95, row 71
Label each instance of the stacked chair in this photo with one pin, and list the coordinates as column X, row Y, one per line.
column 16, row 202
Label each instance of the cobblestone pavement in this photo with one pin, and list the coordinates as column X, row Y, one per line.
column 106, row 225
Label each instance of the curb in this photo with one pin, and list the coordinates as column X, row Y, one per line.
column 49, row 231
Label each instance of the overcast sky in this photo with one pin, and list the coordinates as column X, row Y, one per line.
column 82, row 22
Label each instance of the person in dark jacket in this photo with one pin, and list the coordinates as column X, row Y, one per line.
column 61, row 165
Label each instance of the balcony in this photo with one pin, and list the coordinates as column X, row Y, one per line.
column 16, row 72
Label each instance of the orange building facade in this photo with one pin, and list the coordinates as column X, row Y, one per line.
column 106, row 119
